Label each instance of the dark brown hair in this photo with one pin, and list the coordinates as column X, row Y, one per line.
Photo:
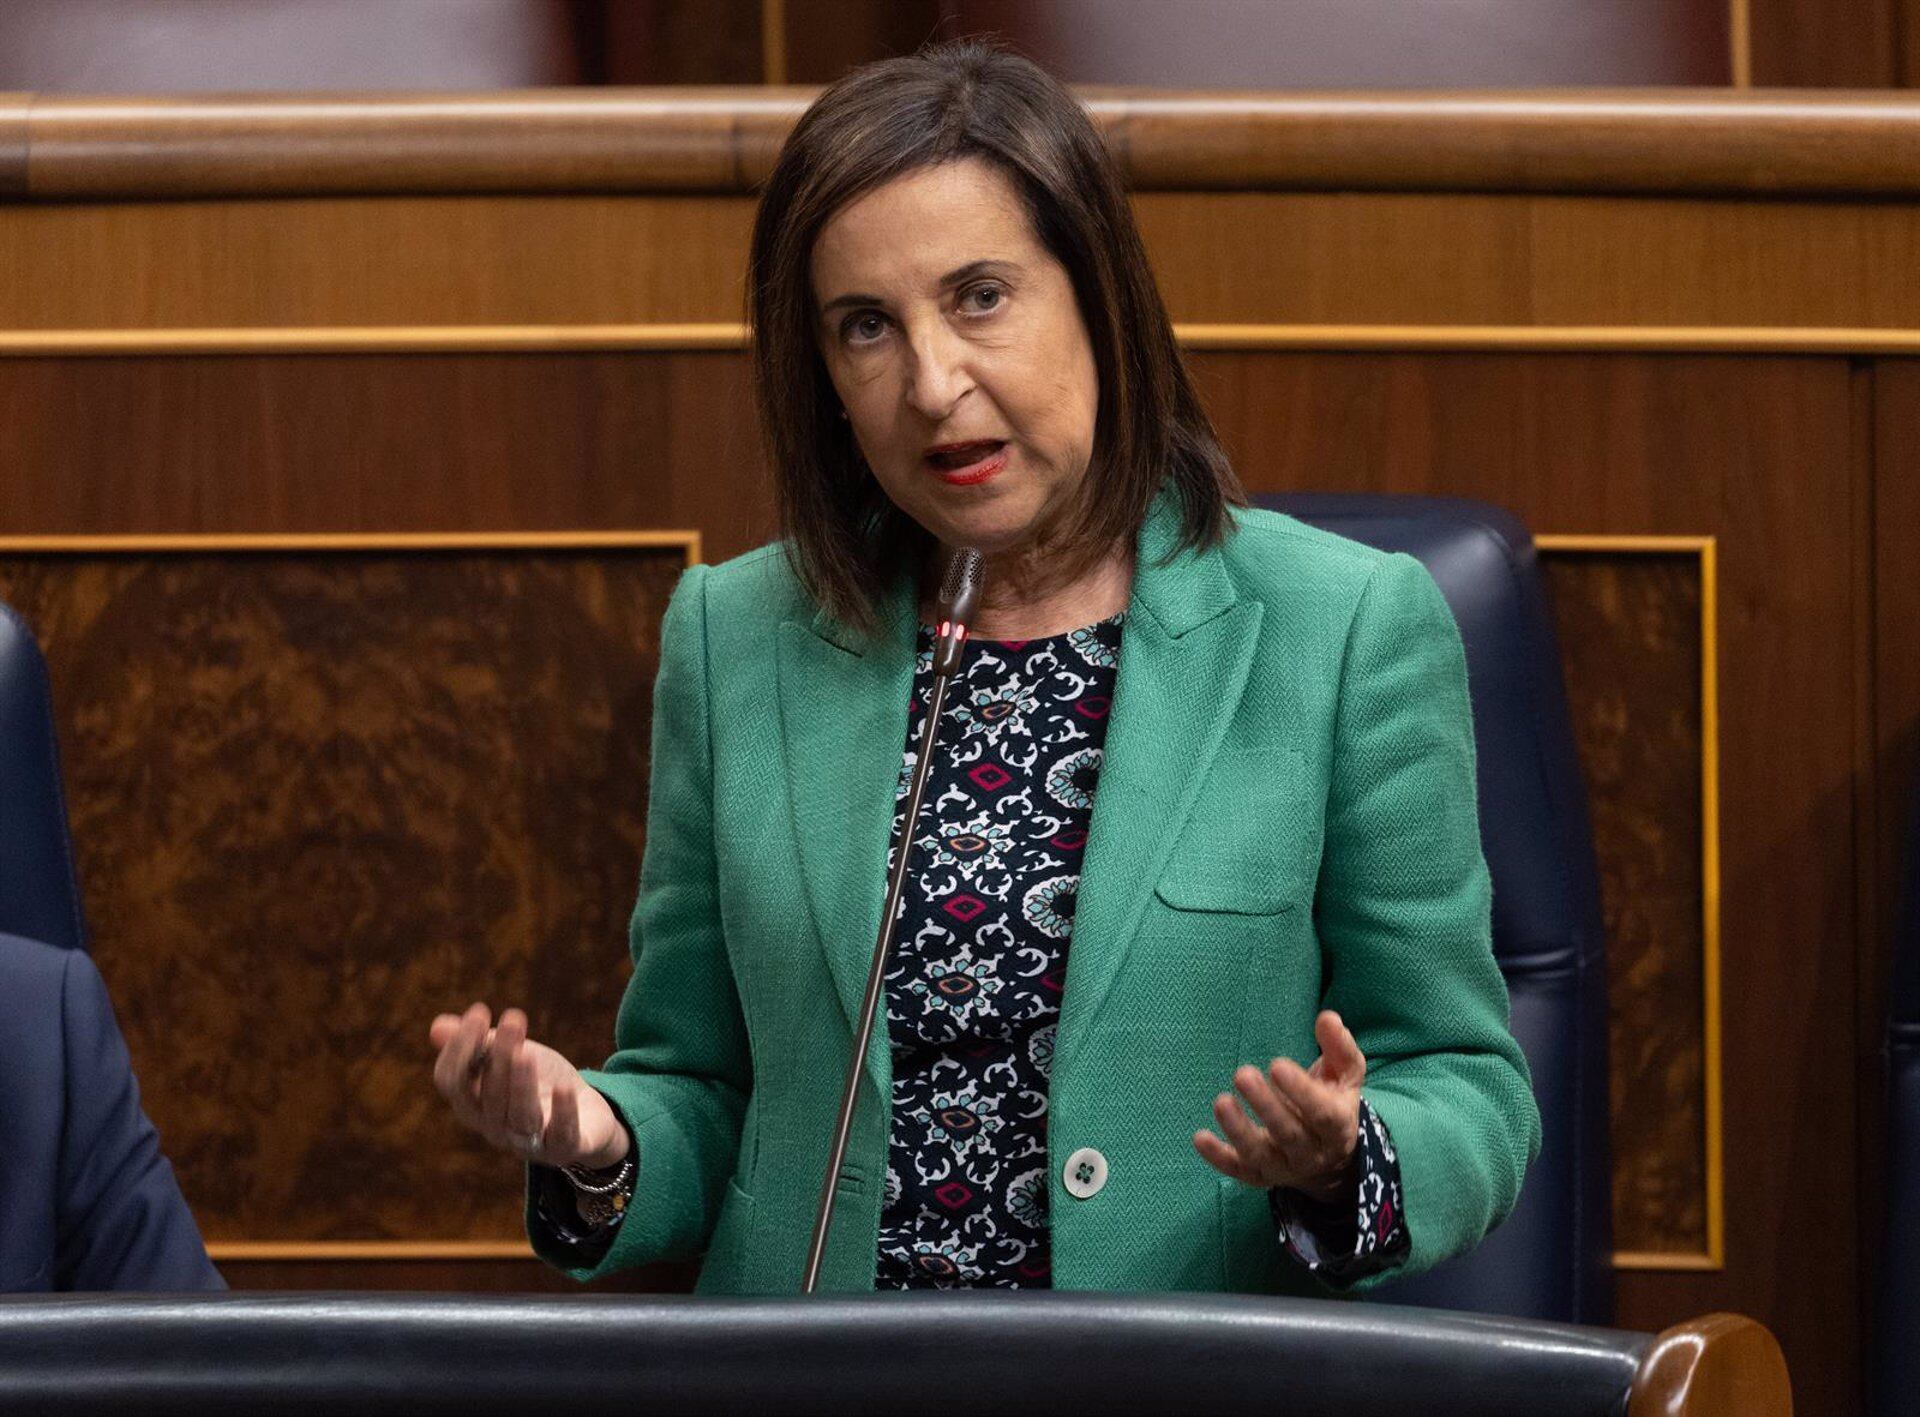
column 847, row 540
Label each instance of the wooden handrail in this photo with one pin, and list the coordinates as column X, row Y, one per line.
column 723, row 140
column 1719, row 1365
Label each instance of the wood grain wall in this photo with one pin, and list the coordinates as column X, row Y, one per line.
column 1611, row 337
column 320, row 794
column 1633, row 642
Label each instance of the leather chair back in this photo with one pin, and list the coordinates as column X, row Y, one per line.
column 1552, row 1258
column 39, row 891
column 1895, row 1360
column 613, row 1355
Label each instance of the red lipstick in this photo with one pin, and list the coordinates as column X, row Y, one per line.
column 966, row 464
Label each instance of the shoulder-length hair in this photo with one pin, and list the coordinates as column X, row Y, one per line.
column 847, row 541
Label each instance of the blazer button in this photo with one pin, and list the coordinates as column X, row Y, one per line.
column 1085, row 1173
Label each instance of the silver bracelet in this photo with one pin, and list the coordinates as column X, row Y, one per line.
column 603, row 1181
column 598, row 1200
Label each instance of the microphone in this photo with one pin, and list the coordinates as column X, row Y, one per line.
column 953, row 610
column 959, row 597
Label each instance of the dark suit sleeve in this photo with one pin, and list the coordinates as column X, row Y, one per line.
column 122, row 1221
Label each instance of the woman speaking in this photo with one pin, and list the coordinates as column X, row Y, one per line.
column 1198, row 844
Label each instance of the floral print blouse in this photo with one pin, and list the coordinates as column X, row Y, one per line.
column 980, row 960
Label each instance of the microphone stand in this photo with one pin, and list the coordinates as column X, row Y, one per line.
column 957, row 600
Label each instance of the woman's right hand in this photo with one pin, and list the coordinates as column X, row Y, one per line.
column 520, row 1095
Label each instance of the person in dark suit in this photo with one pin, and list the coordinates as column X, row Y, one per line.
column 87, row 1199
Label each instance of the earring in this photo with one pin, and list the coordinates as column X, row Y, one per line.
column 843, row 415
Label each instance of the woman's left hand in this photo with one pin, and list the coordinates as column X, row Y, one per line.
column 1305, row 1128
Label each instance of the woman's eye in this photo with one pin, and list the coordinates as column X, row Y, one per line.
column 983, row 297
column 862, row 328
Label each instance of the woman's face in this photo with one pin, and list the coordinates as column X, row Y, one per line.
column 956, row 345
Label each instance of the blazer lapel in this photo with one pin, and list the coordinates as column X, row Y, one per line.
column 843, row 718
column 1184, row 658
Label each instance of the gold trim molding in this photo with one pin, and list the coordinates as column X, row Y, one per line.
column 1602, row 339
column 336, row 1251
column 773, row 42
column 312, row 543
column 1740, row 42
column 376, row 339
column 1706, row 549
column 483, row 339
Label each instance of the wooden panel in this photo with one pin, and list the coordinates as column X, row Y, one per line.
column 13, row 146
column 822, row 42
column 1848, row 44
column 1268, row 257
column 1755, row 452
column 724, row 140
column 1717, row 263
column 381, row 262
column 1248, row 259
column 678, row 41
column 1890, row 751
column 1291, row 44
column 1895, row 612
column 1630, row 637
column 319, row 797
column 383, row 443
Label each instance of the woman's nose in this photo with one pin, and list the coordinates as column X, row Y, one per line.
column 937, row 376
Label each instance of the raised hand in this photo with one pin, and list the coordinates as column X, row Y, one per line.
column 520, row 1095
column 1304, row 1130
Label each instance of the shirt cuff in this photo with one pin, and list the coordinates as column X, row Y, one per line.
column 557, row 1214
column 1347, row 1240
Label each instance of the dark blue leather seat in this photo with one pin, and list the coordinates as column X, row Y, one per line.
column 1552, row 1257
column 1896, row 1355
column 39, row 894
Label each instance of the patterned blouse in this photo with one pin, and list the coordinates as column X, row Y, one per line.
column 973, row 988
column 980, row 960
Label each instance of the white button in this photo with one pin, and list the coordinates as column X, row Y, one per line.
column 1085, row 1173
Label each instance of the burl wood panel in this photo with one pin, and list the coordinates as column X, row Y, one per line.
column 1630, row 640
column 318, row 798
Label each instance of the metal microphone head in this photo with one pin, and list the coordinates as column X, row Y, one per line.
column 959, row 598
column 960, row 590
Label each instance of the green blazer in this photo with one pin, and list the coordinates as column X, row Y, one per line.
column 1285, row 820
